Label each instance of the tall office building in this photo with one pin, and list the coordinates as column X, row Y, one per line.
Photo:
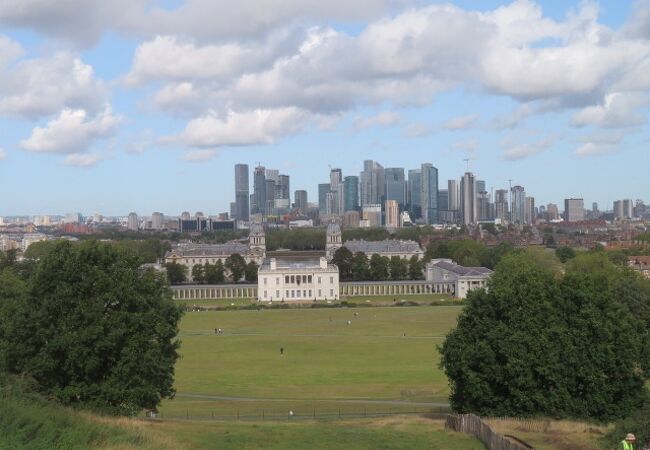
column 429, row 193
column 132, row 222
column 336, row 188
column 518, row 204
column 552, row 211
column 241, row 192
column 480, row 186
column 351, row 193
column 483, row 205
column 372, row 215
column 628, row 208
column 574, row 210
column 415, row 194
column 185, row 215
column 372, row 183
column 282, row 193
column 259, row 191
column 272, row 174
column 392, row 214
column 300, row 198
column 157, row 221
column 443, row 199
column 468, row 207
column 395, row 185
column 529, row 213
column 454, row 195
column 323, row 190
column 270, row 197
column 501, row 204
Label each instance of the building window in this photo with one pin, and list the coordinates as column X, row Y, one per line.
column 331, row 292
column 293, row 294
column 319, row 293
column 310, row 293
column 277, row 280
column 286, row 279
column 264, row 281
column 298, row 293
column 318, row 280
column 287, row 294
column 304, row 293
column 293, row 279
column 331, row 280
column 277, row 294
column 309, row 279
column 304, row 278
column 264, row 294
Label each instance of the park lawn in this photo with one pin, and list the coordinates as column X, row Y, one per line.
column 382, row 354
column 395, row 432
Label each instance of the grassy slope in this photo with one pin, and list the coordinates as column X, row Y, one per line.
column 324, row 360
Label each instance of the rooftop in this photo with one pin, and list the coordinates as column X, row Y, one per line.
column 387, row 246
column 229, row 248
column 461, row 270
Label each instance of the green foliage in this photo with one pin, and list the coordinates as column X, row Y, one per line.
column 539, row 344
column 379, row 268
column 360, row 267
column 214, row 273
column 399, row 268
column 638, row 423
column 198, row 274
column 147, row 251
column 416, row 268
column 38, row 250
column 343, row 258
column 236, row 264
column 565, row 253
column 8, row 259
column 250, row 273
column 468, row 252
column 367, row 234
column 91, row 328
column 296, row 239
column 543, row 257
column 176, row 273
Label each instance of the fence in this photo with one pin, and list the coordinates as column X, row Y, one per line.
column 471, row 424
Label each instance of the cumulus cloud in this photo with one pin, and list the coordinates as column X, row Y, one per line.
column 461, row 123
column 515, row 151
column 241, row 128
column 197, row 156
column 594, row 149
column 469, row 145
column 73, row 131
column 383, row 119
column 3, row 154
column 82, row 159
column 618, row 110
column 416, row 130
column 40, row 87
column 599, row 143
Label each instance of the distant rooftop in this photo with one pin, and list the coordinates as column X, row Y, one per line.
column 386, row 246
column 188, row 250
column 461, row 270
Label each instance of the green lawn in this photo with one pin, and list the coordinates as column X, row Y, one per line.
column 384, row 354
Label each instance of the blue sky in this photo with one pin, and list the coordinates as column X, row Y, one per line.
column 146, row 106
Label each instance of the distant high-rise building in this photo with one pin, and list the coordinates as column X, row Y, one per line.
column 468, row 205
column 395, row 185
column 282, row 192
column 372, row 214
column 415, row 193
column 392, row 214
column 552, row 211
column 482, row 205
column 72, row 218
column 259, row 191
column 454, row 195
column 300, row 198
column 443, row 199
column 336, row 188
column 529, row 213
column 628, row 208
column 640, row 208
column 501, row 208
column 429, row 193
column 185, row 215
column 480, row 186
column 270, row 196
column 518, row 204
column 371, row 183
column 242, row 193
column 351, row 193
column 132, row 222
column 323, row 190
column 272, row 174
column 157, row 221
column 574, row 210
column 351, row 219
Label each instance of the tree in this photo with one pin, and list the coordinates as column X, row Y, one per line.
column 250, row 274
column 343, row 258
column 537, row 343
column 565, row 253
column 8, row 258
column 399, row 268
column 214, row 273
column 176, row 273
column 198, row 273
column 360, row 267
column 236, row 264
column 415, row 268
column 379, row 267
column 95, row 329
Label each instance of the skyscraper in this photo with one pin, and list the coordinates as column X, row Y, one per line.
column 241, row 192
column 415, row 194
column 351, row 193
column 518, row 204
column 300, row 198
column 574, row 210
column 529, row 212
column 396, row 185
column 259, row 191
column 392, row 214
column 323, row 190
column 270, row 196
column 501, row 208
column 282, row 192
column 468, row 198
column 336, row 188
column 482, row 206
column 157, row 221
column 132, row 222
column 372, row 184
column 454, row 195
column 429, row 193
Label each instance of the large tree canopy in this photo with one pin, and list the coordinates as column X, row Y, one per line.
column 91, row 327
column 541, row 343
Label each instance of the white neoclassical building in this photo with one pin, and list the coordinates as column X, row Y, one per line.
column 291, row 281
column 463, row 279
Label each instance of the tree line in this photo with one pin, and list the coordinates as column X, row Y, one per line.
column 234, row 270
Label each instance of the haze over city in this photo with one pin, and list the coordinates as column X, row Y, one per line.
column 156, row 101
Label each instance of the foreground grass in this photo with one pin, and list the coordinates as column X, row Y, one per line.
column 382, row 354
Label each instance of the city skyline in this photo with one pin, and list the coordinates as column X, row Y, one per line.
column 114, row 115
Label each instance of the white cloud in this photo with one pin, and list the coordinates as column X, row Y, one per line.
column 595, row 149
column 82, row 159
column 73, row 131
column 461, row 123
column 3, row 154
column 600, row 143
column 9, row 50
column 515, row 151
column 416, row 130
column 242, row 128
column 618, row 110
column 197, row 156
column 383, row 119
column 469, row 145
column 40, row 87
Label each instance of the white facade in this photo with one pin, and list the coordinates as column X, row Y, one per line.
column 464, row 279
column 283, row 281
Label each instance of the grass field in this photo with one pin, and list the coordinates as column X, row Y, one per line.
column 384, row 360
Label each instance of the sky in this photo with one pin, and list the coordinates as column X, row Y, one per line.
column 147, row 105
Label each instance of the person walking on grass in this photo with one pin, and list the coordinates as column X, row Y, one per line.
column 281, row 351
column 627, row 443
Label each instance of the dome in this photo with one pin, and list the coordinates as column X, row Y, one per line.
column 256, row 228
column 333, row 228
